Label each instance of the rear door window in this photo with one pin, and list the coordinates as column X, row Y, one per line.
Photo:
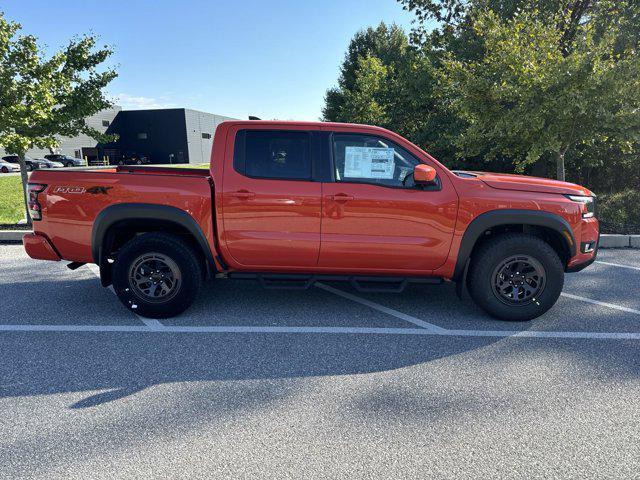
column 276, row 154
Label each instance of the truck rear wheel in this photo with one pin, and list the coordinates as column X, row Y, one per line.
column 157, row 275
column 515, row 277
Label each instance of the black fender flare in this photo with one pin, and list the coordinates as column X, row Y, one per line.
column 495, row 218
column 145, row 211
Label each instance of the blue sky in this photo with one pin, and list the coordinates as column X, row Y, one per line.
column 271, row 58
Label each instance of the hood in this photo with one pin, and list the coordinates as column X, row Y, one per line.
column 524, row 183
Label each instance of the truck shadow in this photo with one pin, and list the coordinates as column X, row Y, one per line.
column 109, row 366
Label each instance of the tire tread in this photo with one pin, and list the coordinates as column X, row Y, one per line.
column 483, row 262
column 181, row 252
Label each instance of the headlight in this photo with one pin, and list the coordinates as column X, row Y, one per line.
column 588, row 204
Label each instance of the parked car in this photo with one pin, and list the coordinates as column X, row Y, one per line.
column 292, row 203
column 6, row 167
column 133, row 159
column 32, row 163
column 49, row 163
column 66, row 160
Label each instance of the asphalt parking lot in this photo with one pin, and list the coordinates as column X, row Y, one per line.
column 313, row 384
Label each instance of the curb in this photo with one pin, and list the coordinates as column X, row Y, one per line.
column 12, row 236
column 608, row 240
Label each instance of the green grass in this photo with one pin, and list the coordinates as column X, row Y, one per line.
column 11, row 200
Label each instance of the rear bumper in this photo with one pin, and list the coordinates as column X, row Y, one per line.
column 38, row 247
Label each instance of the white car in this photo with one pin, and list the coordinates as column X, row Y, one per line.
column 6, row 167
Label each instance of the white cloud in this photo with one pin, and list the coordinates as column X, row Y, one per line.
column 132, row 102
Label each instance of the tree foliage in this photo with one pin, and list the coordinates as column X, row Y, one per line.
column 507, row 85
column 384, row 81
column 43, row 97
column 535, row 93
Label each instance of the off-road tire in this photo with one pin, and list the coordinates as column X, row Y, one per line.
column 490, row 256
column 180, row 255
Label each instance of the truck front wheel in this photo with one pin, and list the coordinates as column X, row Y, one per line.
column 515, row 277
column 157, row 275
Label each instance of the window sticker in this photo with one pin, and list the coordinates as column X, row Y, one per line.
column 369, row 162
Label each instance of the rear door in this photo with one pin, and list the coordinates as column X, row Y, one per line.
column 375, row 217
column 271, row 199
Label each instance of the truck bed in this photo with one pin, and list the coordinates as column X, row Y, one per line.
column 73, row 199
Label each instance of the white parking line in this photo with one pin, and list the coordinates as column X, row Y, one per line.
column 151, row 323
column 426, row 328
column 155, row 324
column 381, row 308
column 617, row 265
column 323, row 330
column 603, row 304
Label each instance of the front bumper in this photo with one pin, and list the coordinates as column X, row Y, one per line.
column 576, row 267
column 590, row 240
column 38, row 247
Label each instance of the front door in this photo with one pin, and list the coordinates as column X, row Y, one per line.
column 271, row 205
column 375, row 218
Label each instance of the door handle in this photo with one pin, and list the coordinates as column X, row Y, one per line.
column 341, row 197
column 243, row 194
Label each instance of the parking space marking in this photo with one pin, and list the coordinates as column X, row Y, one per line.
column 151, row 323
column 148, row 322
column 323, row 330
column 545, row 334
column 603, row 304
column 426, row 328
column 617, row 265
column 381, row 308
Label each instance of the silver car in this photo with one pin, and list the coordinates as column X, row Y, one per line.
column 6, row 167
column 49, row 163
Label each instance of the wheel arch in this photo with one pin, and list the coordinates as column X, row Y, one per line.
column 130, row 219
column 551, row 227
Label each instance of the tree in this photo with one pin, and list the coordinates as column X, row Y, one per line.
column 362, row 103
column 42, row 98
column 539, row 91
column 612, row 25
column 385, row 82
column 370, row 68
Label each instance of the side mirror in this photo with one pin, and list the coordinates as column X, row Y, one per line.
column 424, row 174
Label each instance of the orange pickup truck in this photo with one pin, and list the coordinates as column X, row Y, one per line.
column 291, row 203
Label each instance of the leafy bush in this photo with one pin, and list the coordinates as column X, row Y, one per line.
column 619, row 212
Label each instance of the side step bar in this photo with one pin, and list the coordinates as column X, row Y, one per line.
column 363, row 284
